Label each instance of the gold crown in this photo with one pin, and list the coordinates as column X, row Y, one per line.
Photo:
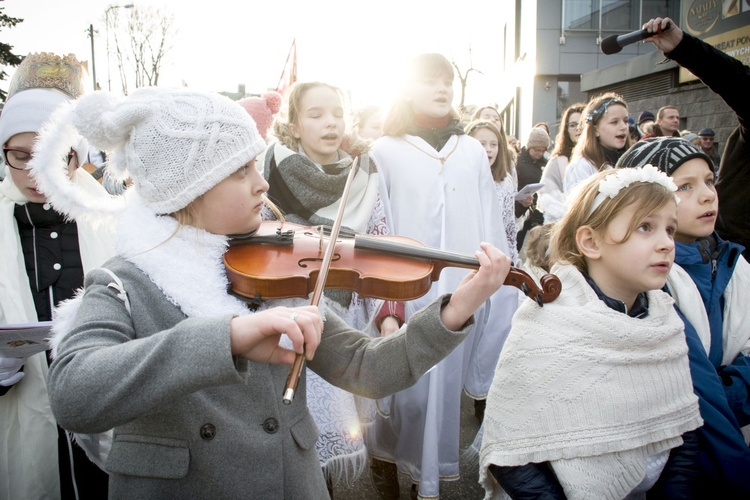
column 46, row 70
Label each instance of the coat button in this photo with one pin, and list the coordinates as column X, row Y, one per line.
column 208, row 432
column 46, row 206
column 53, row 235
column 57, row 267
column 271, row 425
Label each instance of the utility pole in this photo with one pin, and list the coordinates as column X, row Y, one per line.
column 93, row 60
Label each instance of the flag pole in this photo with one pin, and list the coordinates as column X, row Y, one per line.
column 291, row 49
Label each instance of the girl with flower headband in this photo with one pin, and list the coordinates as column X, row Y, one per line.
column 604, row 138
column 189, row 379
column 592, row 395
column 437, row 188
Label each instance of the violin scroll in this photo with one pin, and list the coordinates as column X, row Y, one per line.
column 551, row 285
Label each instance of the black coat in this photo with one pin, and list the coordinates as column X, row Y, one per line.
column 730, row 79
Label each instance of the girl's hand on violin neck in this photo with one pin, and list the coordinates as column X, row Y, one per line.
column 256, row 336
column 476, row 287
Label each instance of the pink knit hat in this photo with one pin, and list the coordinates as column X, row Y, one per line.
column 262, row 109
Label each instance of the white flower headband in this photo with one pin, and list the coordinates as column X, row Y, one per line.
column 610, row 186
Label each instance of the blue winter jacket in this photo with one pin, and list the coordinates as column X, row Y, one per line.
column 722, row 390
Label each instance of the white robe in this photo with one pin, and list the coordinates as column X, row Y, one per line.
column 451, row 207
column 28, row 432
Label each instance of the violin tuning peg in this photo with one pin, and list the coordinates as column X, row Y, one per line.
column 538, row 298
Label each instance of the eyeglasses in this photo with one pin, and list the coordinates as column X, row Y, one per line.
column 19, row 159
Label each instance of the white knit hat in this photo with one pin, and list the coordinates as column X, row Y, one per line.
column 27, row 111
column 174, row 144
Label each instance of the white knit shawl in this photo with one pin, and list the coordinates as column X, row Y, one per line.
column 593, row 391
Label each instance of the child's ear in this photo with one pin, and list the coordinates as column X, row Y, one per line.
column 588, row 242
column 294, row 130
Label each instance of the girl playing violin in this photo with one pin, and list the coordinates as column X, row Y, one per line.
column 187, row 377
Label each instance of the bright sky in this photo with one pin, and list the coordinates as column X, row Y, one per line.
column 358, row 46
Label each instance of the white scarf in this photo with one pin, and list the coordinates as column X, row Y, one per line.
column 28, row 432
column 593, row 391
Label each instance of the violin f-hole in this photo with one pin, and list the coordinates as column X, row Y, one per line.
column 301, row 262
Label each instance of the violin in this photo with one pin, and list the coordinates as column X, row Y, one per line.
column 282, row 262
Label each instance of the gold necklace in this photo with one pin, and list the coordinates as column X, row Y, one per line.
column 442, row 159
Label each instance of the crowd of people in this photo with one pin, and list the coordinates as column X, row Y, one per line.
column 118, row 211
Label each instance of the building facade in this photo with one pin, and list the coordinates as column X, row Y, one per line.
column 553, row 58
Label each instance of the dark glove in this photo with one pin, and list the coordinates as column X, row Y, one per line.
column 679, row 479
column 529, row 482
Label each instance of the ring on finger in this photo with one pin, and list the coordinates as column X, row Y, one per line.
column 294, row 317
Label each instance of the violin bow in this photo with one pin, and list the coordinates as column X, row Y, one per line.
column 299, row 359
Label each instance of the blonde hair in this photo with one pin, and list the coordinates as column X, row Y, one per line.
column 588, row 145
column 536, row 245
column 401, row 114
column 503, row 164
column 477, row 114
column 290, row 114
column 649, row 197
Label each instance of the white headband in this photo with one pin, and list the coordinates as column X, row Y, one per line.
column 610, row 186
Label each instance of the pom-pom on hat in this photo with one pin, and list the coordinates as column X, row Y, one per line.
column 262, row 109
column 665, row 153
column 174, row 144
column 538, row 138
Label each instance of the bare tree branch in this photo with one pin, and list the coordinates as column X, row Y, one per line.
column 149, row 32
column 464, row 78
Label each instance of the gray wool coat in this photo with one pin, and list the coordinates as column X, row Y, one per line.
column 189, row 420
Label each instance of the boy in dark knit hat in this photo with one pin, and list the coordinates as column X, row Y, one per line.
column 712, row 273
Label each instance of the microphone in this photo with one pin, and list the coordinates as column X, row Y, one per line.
column 614, row 43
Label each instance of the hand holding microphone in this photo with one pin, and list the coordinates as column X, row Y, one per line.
column 663, row 33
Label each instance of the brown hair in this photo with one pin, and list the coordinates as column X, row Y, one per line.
column 588, row 145
column 563, row 143
column 503, row 164
column 290, row 114
column 660, row 113
column 649, row 197
column 401, row 114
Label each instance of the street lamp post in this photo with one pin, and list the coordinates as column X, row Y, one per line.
column 106, row 21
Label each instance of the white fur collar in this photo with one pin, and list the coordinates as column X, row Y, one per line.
column 186, row 263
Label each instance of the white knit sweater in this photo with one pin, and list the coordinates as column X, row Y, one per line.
column 593, row 391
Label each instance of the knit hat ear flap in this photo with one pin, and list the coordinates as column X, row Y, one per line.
column 49, row 169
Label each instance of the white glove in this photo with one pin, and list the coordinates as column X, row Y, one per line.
column 9, row 374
